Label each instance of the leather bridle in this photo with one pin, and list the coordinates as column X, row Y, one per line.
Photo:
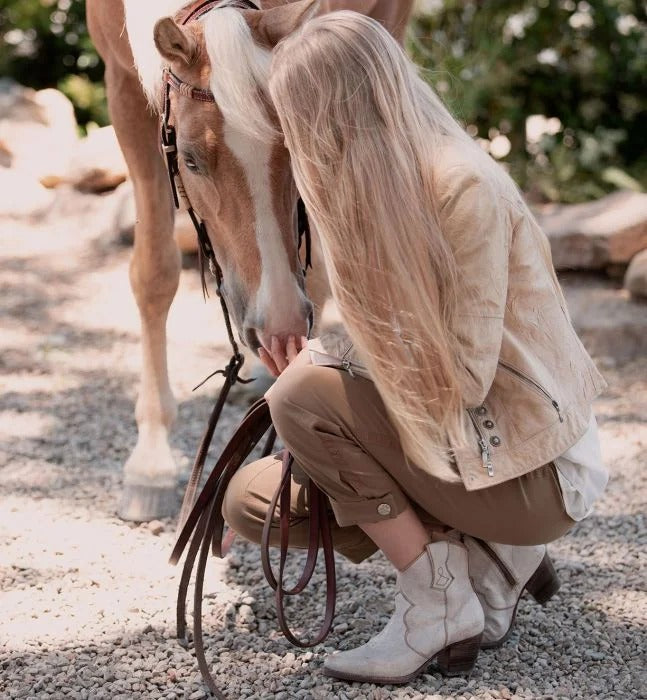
column 201, row 523
column 168, row 142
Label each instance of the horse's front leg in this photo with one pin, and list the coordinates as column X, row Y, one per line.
column 150, row 474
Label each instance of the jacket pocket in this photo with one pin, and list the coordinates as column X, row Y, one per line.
column 535, row 386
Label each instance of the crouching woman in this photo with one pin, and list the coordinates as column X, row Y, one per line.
column 455, row 432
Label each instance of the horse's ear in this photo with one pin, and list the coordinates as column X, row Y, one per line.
column 272, row 25
column 174, row 42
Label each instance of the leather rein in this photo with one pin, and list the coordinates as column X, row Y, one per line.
column 201, row 525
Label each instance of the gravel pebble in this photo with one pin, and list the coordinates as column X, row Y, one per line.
column 89, row 601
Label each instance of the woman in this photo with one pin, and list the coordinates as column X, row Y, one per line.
column 464, row 418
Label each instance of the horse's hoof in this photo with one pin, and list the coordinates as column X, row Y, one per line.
column 143, row 503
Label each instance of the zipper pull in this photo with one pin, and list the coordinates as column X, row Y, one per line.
column 559, row 413
column 485, row 458
column 346, row 365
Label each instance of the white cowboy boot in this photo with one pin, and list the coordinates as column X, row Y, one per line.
column 500, row 573
column 437, row 616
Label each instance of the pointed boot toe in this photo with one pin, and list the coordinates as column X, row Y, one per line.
column 437, row 617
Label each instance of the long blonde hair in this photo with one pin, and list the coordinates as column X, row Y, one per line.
column 362, row 129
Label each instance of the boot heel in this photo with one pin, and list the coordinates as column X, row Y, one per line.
column 459, row 659
column 544, row 583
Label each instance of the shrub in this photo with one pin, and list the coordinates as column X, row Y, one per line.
column 553, row 88
column 582, row 66
column 46, row 44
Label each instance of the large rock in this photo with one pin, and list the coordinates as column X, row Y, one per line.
column 185, row 235
column 598, row 234
column 125, row 216
column 22, row 196
column 97, row 164
column 612, row 327
column 636, row 277
column 38, row 132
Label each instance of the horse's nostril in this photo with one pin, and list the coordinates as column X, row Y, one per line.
column 311, row 320
column 251, row 339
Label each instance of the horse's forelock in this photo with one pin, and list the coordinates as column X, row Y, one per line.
column 239, row 72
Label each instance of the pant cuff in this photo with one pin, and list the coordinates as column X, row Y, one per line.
column 371, row 510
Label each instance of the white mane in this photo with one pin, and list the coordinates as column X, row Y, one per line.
column 141, row 16
column 240, row 68
column 239, row 73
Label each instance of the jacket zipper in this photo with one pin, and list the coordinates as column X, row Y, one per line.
column 533, row 384
column 348, row 364
column 486, row 458
column 345, row 363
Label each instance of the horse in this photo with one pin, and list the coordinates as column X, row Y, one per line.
column 236, row 174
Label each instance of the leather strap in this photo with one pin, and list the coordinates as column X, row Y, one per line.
column 201, row 522
column 203, row 528
column 319, row 530
column 252, row 428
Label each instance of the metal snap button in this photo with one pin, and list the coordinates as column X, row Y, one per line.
column 495, row 440
column 481, row 410
column 488, row 424
column 384, row 509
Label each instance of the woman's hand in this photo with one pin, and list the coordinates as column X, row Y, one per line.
column 280, row 357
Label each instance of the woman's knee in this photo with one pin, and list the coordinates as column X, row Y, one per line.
column 303, row 390
column 242, row 510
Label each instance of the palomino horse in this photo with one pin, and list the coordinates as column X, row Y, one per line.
column 236, row 173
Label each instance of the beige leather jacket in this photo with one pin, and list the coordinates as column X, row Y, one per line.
column 528, row 382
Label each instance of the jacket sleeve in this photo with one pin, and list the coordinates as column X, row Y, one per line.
column 476, row 223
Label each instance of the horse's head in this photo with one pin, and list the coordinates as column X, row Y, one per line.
column 233, row 164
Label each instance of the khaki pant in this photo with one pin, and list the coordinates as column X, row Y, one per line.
column 337, row 428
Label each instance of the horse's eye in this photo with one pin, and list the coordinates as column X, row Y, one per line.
column 191, row 164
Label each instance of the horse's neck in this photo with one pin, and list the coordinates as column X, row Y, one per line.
column 141, row 16
column 393, row 14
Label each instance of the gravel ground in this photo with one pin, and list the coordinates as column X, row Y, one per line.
column 87, row 601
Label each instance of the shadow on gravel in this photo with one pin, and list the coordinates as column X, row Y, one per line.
column 79, row 437
column 150, row 663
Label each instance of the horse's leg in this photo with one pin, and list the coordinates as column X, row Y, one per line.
column 150, row 474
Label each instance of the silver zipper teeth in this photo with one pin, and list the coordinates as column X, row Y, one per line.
column 485, row 450
column 347, row 364
column 534, row 385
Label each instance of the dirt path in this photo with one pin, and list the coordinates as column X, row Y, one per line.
column 87, row 601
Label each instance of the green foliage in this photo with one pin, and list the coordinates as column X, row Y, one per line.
column 584, row 63
column 45, row 43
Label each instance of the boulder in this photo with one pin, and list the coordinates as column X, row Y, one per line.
column 97, row 164
column 22, row 196
column 38, row 132
column 123, row 203
column 185, row 235
column 636, row 276
column 612, row 326
column 596, row 235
